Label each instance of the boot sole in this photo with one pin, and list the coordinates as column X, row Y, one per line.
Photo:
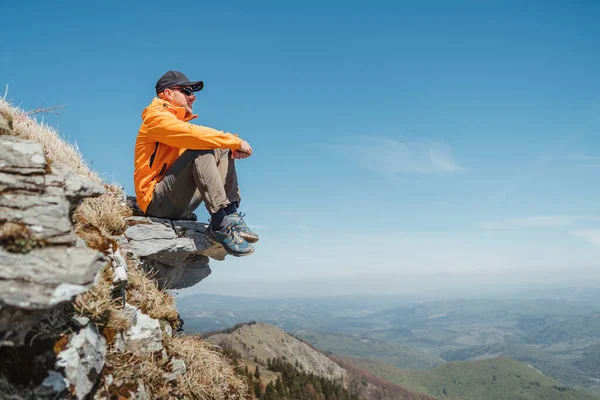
column 240, row 254
column 248, row 238
column 231, row 253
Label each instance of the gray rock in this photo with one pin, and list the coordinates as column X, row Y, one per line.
column 46, row 276
column 189, row 272
column 176, row 252
column 120, row 277
column 46, row 264
column 144, row 335
column 54, row 384
column 168, row 329
column 81, row 321
column 130, row 312
column 118, row 343
column 21, row 157
column 177, row 367
column 142, row 392
column 83, row 360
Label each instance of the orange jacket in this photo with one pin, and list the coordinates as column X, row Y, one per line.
column 165, row 134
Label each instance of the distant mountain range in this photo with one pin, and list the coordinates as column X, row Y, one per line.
column 557, row 333
column 267, row 348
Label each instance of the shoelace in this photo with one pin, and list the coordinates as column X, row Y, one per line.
column 241, row 220
column 237, row 239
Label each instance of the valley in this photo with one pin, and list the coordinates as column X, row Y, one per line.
column 556, row 334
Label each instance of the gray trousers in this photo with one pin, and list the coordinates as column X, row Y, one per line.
column 196, row 176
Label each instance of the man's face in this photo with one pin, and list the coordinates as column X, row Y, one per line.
column 182, row 97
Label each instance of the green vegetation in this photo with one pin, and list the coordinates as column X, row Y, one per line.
column 590, row 361
column 494, row 379
column 297, row 384
column 565, row 329
column 362, row 347
column 548, row 364
column 292, row 382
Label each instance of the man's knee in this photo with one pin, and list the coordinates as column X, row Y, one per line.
column 198, row 157
column 197, row 153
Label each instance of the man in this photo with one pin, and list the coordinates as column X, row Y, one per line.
column 178, row 165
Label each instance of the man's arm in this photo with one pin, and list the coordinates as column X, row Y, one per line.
column 164, row 127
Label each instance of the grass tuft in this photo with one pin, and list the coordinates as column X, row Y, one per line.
column 100, row 307
column 106, row 212
column 209, row 374
column 129, row 370
column 143, row 292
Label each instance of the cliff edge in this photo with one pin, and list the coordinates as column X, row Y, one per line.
column 83, row 307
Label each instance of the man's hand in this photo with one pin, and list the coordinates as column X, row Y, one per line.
column 245, row 147
column 238, row 155
column 244, row 151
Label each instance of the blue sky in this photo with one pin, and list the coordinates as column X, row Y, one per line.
column 393, row 142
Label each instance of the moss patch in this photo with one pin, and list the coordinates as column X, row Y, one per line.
column 17, row 238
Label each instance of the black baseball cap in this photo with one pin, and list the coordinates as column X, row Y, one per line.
column 176, row 78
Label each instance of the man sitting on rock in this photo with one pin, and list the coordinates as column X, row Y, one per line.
column 178, row 165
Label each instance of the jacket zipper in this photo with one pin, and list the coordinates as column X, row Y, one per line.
column 162, row 171
column 153, row 155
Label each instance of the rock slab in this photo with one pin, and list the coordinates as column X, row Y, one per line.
column 83, row 360
column 177, row 252
column 42, row 263
column 145, row 335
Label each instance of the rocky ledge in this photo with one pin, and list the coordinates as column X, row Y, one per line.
column 177, row 252
column 42, row 262
column 44, row 266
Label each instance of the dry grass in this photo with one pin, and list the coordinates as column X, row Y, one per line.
column 106, row 211
column 100, row 307
column 55, row 147
column 94, row 237
column 143, row 292
column 209, row 374
column 128, row 370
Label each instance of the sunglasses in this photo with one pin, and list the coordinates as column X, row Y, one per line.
column 184, row 90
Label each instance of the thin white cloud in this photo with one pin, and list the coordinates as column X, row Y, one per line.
column 539, row 221
column 584, row 160
column 581, row 157
column 392, row 156
column 257, row 227
column 591, row 235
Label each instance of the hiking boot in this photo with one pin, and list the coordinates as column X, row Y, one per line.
column 231, row 240
column 242, row 228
